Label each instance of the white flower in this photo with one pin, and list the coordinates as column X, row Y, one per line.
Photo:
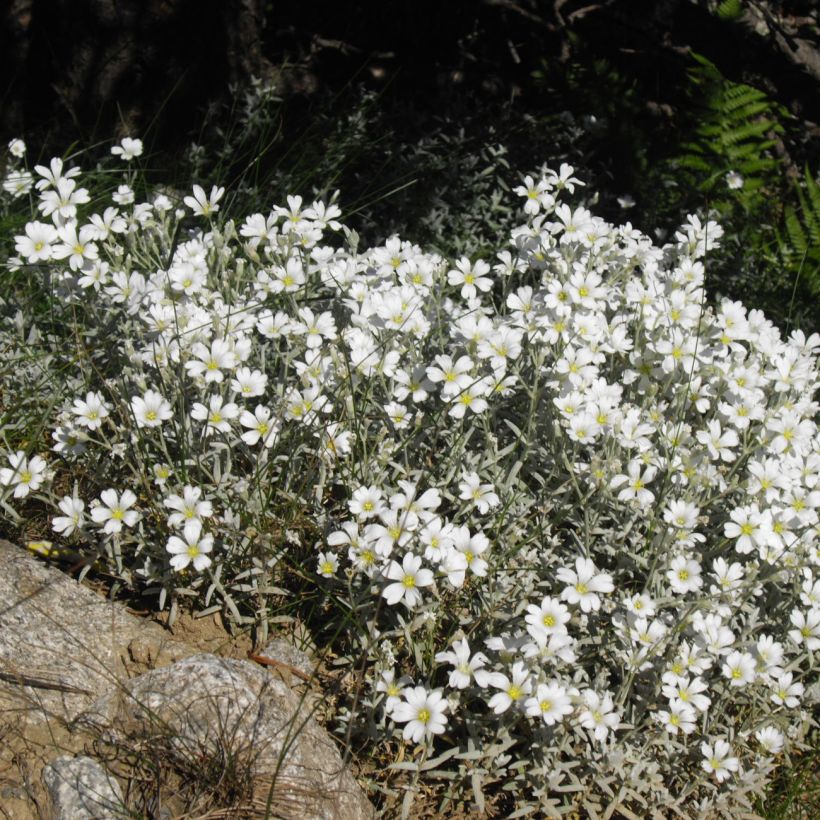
column 249, row 383
column 26, row 475
column 680, row 717
column 128, row 149
column 17, row 148
column 327, row 564
column 472, row 547
column 209, row 363
column 151, row 409
column 408, row 577
column 786, row 693
column 472, row 277
column 466, row 667
column 483, row 496
column 598, row 715
column 18, row 183
column 512, row 691
column 36, row 245
column 366, row 502
column 192, row 548
column 202, row 204
column 684, row 575
column 739, row 667
column 550, row 702
column 72, row 518
column 114, row 512
column 634, row 483
column 718, row 759
column 391, row 687
column 746, row 527
column 729, row 577
column 584, row 584
column 681, row 688
column 547, row 619
column 734, row 180
column 422, row 711
column 807, row 628
column 770, row 739
column 189, row 506
column 261, row 427
column 217, row 415
column 91, row 412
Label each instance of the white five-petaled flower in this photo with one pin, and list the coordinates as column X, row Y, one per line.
column 584, row 584
column 771, row 739
column 471, row 277
column 261, row 427
column 72, row 517
column 209, row 363
column 739, row 668
column 115, row 511
column 202, row 204
column 366, row 502
column 423, row 713
column 408, row 577
column 551, row 702
column 718, row 759
column 807, row 628
column 36, row 244
column 191, row 548
column 482, row 496
column 327, row 564
column 787, row 692
column 189, row 506
column 91, row 411
column 129, row 148
column 217, row 415
column 549, row 618
column 151, row 409
column 599, row 715
column 25, row 474
column 633, row 482
column 17, row 148
column 680, row 717
column 465, row 666
column 684, row 575
column 511, row 691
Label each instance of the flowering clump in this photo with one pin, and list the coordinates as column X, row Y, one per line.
column 566, row 509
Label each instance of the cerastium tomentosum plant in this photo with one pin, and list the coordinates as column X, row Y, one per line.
column 561, row 511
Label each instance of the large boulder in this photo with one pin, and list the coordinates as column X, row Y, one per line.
column 206, row 709
column 81, row 789
column 62, row 645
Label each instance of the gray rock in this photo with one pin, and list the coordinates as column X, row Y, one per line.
column 61, row 645
column 281, row 649
column 81, row 789
column 207, row 709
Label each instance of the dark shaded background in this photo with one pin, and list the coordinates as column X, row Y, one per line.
column 85, row 69
column 504, row 72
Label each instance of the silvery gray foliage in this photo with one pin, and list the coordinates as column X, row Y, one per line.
column 563, row 509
